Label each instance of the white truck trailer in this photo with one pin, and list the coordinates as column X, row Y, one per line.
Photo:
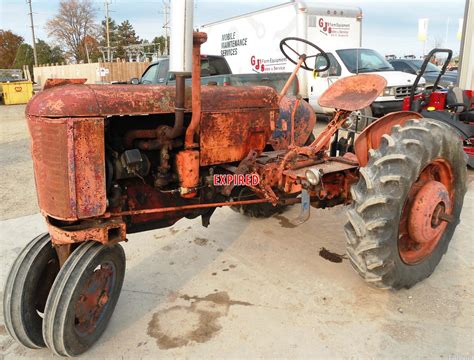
column 250, row 43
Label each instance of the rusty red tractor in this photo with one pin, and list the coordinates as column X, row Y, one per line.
column 116, row 159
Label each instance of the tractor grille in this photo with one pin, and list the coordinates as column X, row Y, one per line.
column 50, row 159
column 402, row 91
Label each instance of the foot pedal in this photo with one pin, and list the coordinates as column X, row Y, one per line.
column 304, row 213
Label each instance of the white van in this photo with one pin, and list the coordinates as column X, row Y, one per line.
column 250, row 43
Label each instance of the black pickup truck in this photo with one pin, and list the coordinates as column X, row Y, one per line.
column 215, row 71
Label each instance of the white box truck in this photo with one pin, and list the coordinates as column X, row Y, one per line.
column 250, row 43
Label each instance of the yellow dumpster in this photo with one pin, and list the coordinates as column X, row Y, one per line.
column 17, row 92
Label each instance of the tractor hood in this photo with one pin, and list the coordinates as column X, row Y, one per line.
column 109, row 100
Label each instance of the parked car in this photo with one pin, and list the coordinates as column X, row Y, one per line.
column 215, row 71
column 431, row 73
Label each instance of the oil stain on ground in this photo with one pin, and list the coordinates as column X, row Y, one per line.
column 201, row 241
column 180, row 325
column 333, row 257
column 284, row 222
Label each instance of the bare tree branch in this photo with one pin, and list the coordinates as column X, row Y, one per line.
column 74, row 23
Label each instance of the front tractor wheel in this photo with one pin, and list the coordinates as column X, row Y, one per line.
column 406, row 204
column 26, row 291
column 83, row 298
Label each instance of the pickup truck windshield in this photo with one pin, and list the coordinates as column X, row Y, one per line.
column 363, row 60
column 429, row 68
column 210, row 65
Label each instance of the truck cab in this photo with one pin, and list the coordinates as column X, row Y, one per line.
column 158, row 72
column 350, row 61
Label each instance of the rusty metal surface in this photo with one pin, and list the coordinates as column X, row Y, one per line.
column 89, row 167
column 49, row 150
column 372, row 135
column 323, row 140
column 427, row 209
column 353, row 92
column 304, row 122
column 187, row 166
column 107, row 231
column 190, row 207
column 69, row 166
column 109, row 100
column 424, row 224
column 49, row 83
column 292, row 77
column 198, row 39
column 229, row 136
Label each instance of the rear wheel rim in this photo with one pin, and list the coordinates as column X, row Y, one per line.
column 427, row 212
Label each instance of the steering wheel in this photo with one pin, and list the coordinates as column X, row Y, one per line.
column 305, row 66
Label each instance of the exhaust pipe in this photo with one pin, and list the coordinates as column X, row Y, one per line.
column 181, row 48
column 185, row 58
column 199, row 39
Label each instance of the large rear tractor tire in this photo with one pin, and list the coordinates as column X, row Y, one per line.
column 26, row 290
column 406, row 204
column 83, row 298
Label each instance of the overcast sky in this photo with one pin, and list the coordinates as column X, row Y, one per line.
column 389, row 26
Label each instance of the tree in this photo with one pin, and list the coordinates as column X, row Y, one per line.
column 47, row 54
column 161, row 44
column 126, row 36
column 113, row 38
column 9, row 44
column 92, row 46
column 71, row 26
column 24, row 56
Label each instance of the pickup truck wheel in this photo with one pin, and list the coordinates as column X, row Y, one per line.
column 359, row 117
column 26, row 290
column 310, row 140
column 406, row 204
column 83, row 298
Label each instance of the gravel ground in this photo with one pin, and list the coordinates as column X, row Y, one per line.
column 17, row 185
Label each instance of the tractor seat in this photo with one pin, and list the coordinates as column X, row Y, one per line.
column 353, row 92
column 457, row 100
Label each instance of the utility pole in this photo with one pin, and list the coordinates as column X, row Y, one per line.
column 107, row 28
column 33, row 33
column 166, row 24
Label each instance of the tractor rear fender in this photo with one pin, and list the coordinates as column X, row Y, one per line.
column 371, row 136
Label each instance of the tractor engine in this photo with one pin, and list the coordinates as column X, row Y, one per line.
column 99, row 149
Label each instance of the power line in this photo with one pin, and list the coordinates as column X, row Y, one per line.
column 33, row 33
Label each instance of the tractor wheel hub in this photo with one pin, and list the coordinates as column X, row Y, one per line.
column 429, row 213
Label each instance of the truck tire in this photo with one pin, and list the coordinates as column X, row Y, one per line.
column 395, row 234
column 310, row 140
column 363, row 120
column 83, row 298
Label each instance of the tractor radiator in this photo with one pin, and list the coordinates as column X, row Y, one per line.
column 69, row 164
